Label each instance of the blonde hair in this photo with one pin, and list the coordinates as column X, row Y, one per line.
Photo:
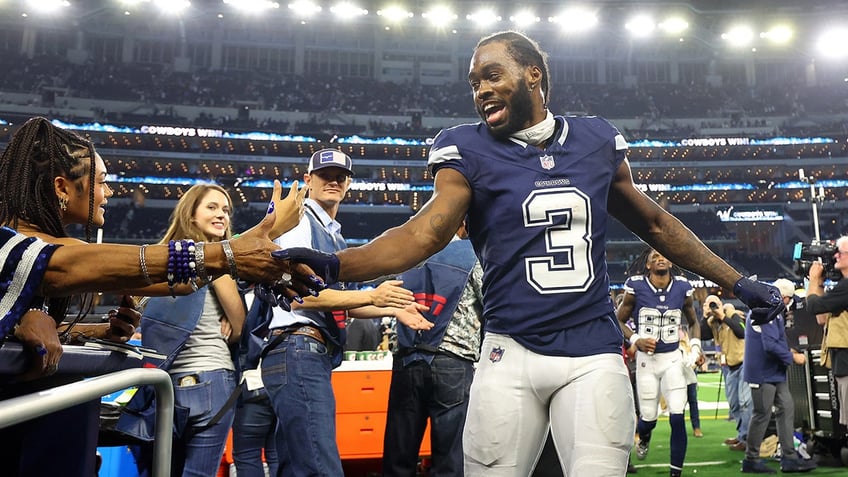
column 182, row 224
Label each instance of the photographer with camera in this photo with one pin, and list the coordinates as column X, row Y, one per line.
column 831, row 310
column 728, row 330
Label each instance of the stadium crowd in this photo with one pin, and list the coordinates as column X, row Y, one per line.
column 779, row 107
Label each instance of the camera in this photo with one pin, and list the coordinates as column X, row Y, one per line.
column 713, row 305
column 805, row 254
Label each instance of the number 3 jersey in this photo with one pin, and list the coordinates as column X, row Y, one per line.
column 538, row 221
column 658, row 312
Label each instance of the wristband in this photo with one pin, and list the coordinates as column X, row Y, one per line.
column 634, row 338
column 695, row 343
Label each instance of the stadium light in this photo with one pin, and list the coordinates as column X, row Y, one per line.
column 440, row 16
column 640, row 26
column 575, row 20
column 172, row 7
column 304, row 8
column 674, row 25
column 395, row 14
column 738, row 36
column 778, row 34
column 47, row 6
column 833, row 43
column 252, row 6
column 483, row 17
column 130, row 6
column 524, row 18
column 347, row 11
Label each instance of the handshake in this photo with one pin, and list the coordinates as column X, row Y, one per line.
column 325, row 265
column 763, row 299
column 323, row 271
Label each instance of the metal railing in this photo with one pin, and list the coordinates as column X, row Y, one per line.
column 30, row 406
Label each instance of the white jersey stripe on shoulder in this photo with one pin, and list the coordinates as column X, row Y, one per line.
column 620, row 143
column 564, row 134
column 22, row 271
column 443, row 154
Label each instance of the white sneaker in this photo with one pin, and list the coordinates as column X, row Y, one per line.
column 641, row 450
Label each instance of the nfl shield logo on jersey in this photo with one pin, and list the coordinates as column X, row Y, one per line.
column 547, row 162
column 496, row 354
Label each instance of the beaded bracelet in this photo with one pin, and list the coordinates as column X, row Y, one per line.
column 182, row 266
column 231, row 259
column 143, row 264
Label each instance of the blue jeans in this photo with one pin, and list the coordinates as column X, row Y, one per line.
column 297, row 376
column 418, row 391
column 253, row 431
column 692, row 399
column 197, row 454
column 739, row 399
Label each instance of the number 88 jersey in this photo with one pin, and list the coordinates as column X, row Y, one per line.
column 659, row 311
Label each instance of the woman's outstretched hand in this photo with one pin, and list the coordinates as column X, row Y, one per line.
column 288, row 210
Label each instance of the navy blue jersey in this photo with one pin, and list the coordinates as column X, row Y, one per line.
column 658, row 312
column 538, row 222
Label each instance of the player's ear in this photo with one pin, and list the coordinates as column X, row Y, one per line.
column 533, row 76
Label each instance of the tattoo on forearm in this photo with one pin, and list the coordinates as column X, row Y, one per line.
column 677, row 238
column 437, row 223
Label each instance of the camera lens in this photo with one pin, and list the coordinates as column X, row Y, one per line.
column 713, row 305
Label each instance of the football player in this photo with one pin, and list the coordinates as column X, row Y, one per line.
column 659, row 301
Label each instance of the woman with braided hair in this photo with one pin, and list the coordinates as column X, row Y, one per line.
column 51, row 178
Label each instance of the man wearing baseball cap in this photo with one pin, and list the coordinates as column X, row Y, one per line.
column 330, row 158
column 787, row 289
column 306, row 343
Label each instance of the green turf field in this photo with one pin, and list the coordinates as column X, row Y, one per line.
column 706, row 456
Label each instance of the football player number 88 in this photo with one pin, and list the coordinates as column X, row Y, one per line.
column 567, row 266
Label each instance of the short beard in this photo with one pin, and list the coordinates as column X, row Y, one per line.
column 520, row 112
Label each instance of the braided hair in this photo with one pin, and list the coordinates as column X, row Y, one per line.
column 37, row 153
column 639, row 265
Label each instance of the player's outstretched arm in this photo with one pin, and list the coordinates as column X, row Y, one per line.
column 664, row 232
column 400, row 248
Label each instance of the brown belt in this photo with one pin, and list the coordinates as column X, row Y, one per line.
column 305, row 330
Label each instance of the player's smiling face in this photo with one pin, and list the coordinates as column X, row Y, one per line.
column 501, row 90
